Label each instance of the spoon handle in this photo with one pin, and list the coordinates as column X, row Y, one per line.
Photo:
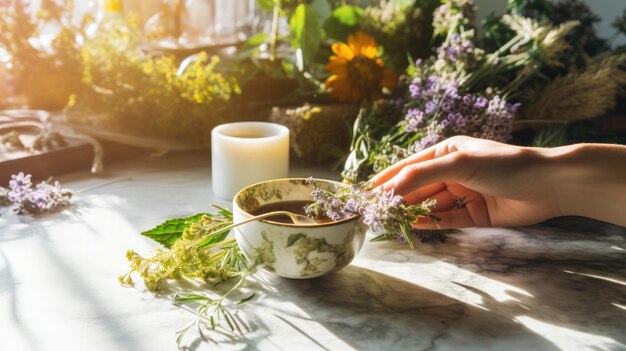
column 256, row 218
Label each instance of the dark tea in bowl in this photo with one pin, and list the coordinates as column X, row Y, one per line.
column 291, row 250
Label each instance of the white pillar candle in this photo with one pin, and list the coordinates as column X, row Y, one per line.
column 246, row 153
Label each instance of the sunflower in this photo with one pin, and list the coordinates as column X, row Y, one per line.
column 356, row 73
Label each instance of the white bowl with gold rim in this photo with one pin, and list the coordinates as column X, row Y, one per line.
column 289, row 250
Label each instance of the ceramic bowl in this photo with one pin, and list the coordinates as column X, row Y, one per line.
column 289, row 250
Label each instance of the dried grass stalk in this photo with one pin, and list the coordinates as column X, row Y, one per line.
column 581, row 94
column 549, row 38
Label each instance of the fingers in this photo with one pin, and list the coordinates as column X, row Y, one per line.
column 445, row 147
column 455, row 167
column 424, row 193
column 453, row 196
column 452, row 219
column 394, row 169
column 445, row 201
column 474, row 213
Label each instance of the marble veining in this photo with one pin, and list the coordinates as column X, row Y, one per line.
column 555, row 286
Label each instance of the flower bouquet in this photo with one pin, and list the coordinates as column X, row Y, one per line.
column 465, row 89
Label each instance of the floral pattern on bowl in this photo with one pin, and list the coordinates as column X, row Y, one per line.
column 289, row 250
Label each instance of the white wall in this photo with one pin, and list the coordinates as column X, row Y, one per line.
column 606, row 9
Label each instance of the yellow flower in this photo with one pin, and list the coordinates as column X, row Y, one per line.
column 356, row 73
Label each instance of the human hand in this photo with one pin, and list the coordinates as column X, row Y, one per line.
column 477, row 183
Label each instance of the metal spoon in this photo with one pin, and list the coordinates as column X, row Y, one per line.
column 295, row 218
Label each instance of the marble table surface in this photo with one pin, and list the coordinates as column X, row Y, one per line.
column 556, row 286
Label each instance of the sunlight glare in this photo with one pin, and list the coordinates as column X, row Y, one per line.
column 301, row 328
column 568, row 339
column 612, row 280
column 443, row 282
column 619, row 306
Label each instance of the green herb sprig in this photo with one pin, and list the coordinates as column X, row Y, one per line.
column 219, row 258
column 198, row 249
column 212, row 311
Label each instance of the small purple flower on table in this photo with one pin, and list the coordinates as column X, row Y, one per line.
column 43, row 198
column 19, row 187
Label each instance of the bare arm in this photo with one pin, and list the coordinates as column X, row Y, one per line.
column 590, row 180
column 484, row 183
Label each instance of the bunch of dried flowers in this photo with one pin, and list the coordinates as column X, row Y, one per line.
column 580, row 94
column 460, row 90
column 43, row 197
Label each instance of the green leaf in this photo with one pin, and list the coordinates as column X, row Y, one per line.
column 406, row 231
column 551, row 136
column 230, row 324
column 306, row 32
column 266, row 4
column 381, row 237
column 343, row 21
column 235, row 323
column 247, row 50
column 184, row 298
column 323, row 9
column 214, row 238
column 169, row 231
column 246, row 299
column 224, row 212
column 257, row 39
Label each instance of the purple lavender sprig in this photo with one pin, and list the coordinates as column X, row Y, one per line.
column 381, row 210
column 42, row 198
column 456, row 49
column 440, row 110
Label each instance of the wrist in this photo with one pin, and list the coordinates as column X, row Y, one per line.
column 563, row 175
column 588, row 180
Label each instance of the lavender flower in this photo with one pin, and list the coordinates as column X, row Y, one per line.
column 19, row 187
column 381, row 210
column 456, row 49
column 440, row 110
column 44, row 197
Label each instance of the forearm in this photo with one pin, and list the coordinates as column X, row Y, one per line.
column 589, row 180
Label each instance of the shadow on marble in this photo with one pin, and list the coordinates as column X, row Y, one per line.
column 369, row 310
column 582, row 224
column 15, row 226
column 559, row 294
column 75, row 285
column 8, row 295
column 365, row 310
column 573, row 283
